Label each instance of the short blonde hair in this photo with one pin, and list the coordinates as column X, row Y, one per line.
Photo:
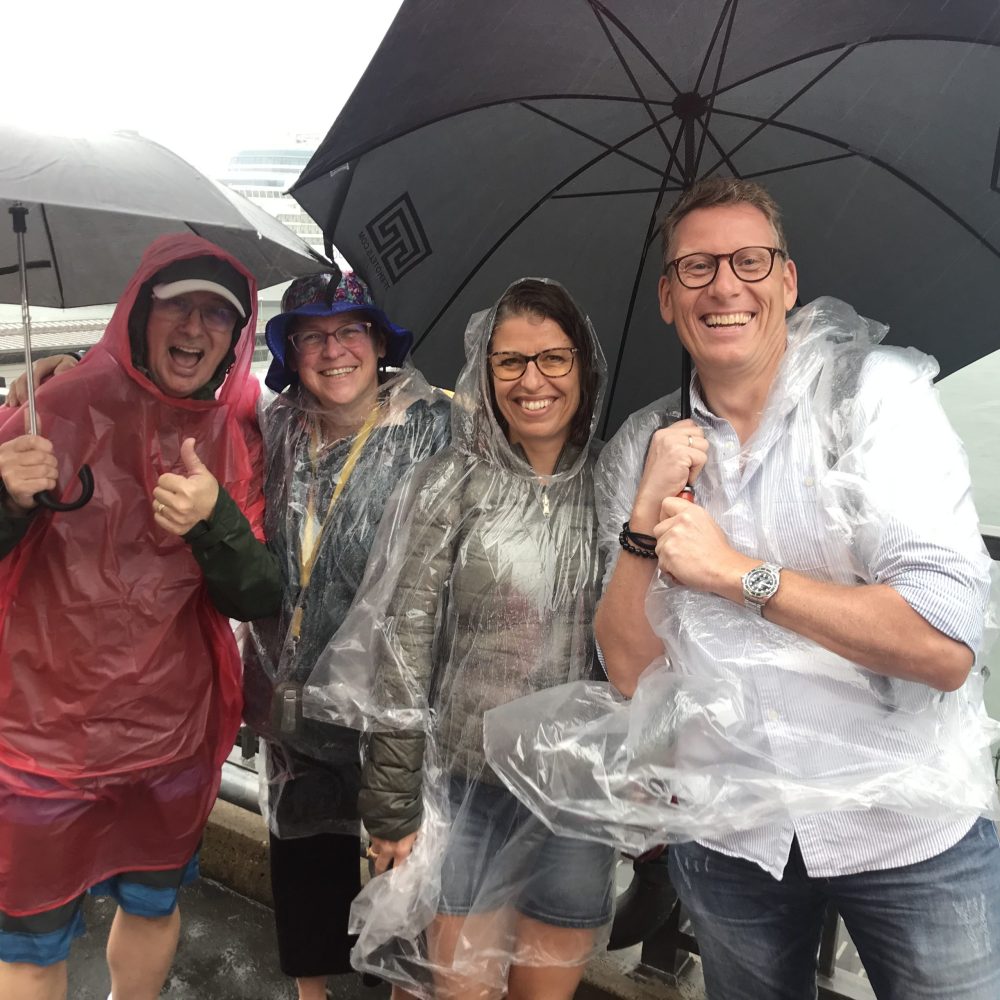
column 713, row 191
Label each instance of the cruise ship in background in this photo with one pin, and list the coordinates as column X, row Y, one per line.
column 263, row 176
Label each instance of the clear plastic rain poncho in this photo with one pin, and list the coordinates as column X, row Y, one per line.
column 119, row 679
column 324, row 503
column 480, row 590
column 854, row 476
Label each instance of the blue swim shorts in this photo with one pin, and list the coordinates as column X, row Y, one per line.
column 45, row 938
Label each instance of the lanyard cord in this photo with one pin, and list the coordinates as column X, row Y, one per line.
column 310, row 535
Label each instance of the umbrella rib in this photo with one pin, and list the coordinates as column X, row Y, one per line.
column 729, row 7
column 797, row 166
column 772, row 118
column 651, row 229
column 531, row 210
column 715, row 86
column 602, row 194
column 726, row 157
column 592, row 138
column 597, row 6
column 29, row 265
column 874, row 39
column 52, row 254
column 353, row 154
column 875, row 161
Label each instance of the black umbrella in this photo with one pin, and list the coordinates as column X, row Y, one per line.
column 487, row 141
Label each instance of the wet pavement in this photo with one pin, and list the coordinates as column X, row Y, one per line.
column 226, row 952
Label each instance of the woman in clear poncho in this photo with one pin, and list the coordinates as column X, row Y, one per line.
column 481, row 591
column 339, row 437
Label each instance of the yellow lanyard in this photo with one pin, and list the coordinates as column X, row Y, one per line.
column 311, row 531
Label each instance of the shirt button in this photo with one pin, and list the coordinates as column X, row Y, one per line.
column 809, row 481
column 773, row 715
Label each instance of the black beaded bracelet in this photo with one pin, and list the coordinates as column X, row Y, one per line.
column 637, row 543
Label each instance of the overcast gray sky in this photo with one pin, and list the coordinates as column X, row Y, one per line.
column 204, row 77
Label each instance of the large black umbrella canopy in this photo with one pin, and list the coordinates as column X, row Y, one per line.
column 487, row 141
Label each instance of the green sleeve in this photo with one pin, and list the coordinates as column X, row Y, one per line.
column 242, row 574
column 13, row 527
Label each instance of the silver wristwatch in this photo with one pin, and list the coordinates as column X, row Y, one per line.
column 760, row 585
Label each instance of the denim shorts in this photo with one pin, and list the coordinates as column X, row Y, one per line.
column 499, row 855
column 45, row 938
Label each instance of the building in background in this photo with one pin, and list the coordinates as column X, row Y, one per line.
column 264, row 176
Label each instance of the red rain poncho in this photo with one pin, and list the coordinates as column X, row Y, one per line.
column 119, row 681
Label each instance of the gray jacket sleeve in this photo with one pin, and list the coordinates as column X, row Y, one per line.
column 390, row 799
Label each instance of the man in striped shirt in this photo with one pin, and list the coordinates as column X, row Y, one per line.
column 831, row 573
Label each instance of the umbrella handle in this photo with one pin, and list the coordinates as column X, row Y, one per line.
column 86, row 482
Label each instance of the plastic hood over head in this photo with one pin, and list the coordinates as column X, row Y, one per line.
column 480, row 589
column 745, row 723
column 115, row 667
column 474, row 426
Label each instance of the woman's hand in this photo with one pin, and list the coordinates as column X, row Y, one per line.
column 42, row 369
column 394, row 852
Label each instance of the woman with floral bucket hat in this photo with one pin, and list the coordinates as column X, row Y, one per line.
column 352, row 416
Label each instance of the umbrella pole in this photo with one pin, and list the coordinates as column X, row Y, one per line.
column 19, row 214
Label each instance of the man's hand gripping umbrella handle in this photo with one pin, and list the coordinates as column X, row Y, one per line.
column 18, row 215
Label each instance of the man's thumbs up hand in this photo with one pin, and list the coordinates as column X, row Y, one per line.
column 180, row 502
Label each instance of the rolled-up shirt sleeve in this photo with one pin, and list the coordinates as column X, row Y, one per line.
column 916, row 525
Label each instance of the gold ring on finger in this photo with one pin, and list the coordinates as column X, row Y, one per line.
column 158, row 507
column 690, row 441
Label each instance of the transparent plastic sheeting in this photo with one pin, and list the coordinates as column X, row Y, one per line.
column 480, row 590
column 325, row 497
column 746, row 723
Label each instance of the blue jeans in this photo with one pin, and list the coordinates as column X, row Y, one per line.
column 927, row 931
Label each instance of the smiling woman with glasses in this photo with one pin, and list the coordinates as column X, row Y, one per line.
column 353, row 416
column 482, row 590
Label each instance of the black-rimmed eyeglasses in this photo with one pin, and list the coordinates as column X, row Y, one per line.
column 750, row 264
column 553, row 363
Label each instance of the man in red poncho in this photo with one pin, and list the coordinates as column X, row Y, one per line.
column 119, row 675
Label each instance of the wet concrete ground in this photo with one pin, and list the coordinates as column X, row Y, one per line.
column 226, row 952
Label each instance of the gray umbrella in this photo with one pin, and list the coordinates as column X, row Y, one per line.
column 82, row 211
column 489, row 141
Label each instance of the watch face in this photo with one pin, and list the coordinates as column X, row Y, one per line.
column 760, row 582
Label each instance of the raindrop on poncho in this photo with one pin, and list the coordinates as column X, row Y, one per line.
column 325, row 499
column 745, row 723
column 480, row 590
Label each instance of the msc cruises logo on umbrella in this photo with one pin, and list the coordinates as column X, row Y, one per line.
column 395, row 241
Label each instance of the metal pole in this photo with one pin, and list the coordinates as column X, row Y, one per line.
column 19, row 213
